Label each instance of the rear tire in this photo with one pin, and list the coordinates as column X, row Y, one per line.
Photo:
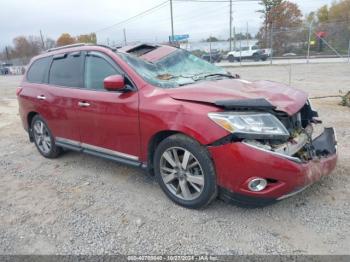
column 43, row 139
column 256, row 57
column 185, row 171
column 231, row 58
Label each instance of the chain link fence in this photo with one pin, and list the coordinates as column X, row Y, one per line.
column 308, row 42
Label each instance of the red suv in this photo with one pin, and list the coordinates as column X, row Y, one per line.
column 202, row 131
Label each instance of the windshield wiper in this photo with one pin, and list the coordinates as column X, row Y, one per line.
column 204, row 76
column 218, row 74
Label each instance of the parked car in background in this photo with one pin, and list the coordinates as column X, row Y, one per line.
column 214, row 56
column 5, row 68
column 201, row 131
column 248, row 52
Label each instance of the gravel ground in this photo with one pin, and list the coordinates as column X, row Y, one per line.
column 79, row 204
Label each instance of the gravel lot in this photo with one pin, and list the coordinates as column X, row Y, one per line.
column 79, row 204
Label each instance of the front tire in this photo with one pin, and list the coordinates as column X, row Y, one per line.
column 43, row 139
column 185, row 171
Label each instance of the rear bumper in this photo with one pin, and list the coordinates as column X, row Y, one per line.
column 237, row 163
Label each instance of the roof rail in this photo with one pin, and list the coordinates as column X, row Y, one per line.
column 66, row 46
column 106, row 46
column 80, row 44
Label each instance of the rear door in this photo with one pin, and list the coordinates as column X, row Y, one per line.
column 109, row 120
column 65, row 85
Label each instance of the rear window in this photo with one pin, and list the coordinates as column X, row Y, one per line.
column 37, row 71
column 67, row 70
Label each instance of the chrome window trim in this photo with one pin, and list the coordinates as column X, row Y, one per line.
column 96, row 148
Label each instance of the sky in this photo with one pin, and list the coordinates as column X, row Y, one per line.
column 199, row 20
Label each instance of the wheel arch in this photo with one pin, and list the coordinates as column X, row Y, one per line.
column 30, row 117
column 153, row 143
column 163, row 134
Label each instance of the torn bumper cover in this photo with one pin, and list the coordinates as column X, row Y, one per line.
column 237, row 163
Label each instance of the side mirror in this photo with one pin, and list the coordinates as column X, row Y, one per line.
column 114, row 83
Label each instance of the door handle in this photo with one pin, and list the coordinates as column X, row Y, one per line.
column 83, row 104
column 41, row 97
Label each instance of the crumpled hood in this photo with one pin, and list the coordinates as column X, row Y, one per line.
column 283, row 97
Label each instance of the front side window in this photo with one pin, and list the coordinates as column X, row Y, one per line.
column 177, row 69
column 97, row 68
column 67, row 70
column 38, row 70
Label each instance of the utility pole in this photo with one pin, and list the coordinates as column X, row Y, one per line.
column 247, row 34
column 309, row 40
column 349, row 53
column 172, row 21
column 230, row 25
column 42, row 40
column 124, row 32
column 7, row 54
column 234, row 37
column 271, row 42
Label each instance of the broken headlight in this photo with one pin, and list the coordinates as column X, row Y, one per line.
column 251, row 125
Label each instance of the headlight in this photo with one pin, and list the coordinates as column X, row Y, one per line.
column 251, row 125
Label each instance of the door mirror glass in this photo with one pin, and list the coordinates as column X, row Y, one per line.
column 114, row 83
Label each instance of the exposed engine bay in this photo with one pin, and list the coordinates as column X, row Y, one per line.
column 302, row 144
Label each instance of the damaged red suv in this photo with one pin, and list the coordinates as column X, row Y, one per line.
column 202, row 131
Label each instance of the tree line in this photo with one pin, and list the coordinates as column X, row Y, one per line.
column 26, row 47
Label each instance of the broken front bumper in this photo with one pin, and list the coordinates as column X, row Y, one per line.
column 237, row 163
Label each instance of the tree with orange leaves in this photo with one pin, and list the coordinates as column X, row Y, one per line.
column 278, row 20
column 65, row 39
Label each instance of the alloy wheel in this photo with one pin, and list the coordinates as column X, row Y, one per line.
column 42, row 137
column 182, row 173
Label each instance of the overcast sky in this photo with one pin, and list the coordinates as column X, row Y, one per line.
column 18, row 17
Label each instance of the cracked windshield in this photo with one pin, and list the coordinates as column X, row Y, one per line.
column 177, row 69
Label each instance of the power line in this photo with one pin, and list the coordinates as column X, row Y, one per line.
column 214, row 1
column 135, row 16
column 206, row 15
column 156, row 7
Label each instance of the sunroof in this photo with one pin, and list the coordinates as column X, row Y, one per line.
column 141, row 49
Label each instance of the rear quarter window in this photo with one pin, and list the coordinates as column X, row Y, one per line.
column 38, row 70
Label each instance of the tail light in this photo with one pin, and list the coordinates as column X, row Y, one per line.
column 18, row 91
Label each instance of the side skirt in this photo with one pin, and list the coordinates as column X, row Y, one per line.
column 76, row 146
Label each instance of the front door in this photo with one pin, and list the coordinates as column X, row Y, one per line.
column 108, row 120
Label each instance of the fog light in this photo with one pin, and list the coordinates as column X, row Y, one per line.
column 257, row 184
